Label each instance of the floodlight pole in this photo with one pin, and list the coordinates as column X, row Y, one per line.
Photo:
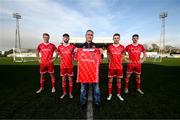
column 162, row 16
column 17, row 34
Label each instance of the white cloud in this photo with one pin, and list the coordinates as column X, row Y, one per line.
column 38, row 17
column 56, row 18
column 48, row 16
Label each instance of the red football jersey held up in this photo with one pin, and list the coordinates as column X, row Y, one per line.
column 135, row 52
column 66, row 55
column 46, row 51
column 115, row 56
column 88, row 65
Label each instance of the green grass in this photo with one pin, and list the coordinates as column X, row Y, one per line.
column 19, row 81
column 161, row 100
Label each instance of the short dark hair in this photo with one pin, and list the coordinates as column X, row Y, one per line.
column 89, row 31
column 45, row 34
column 116, row 34
column 65, row 35
column 135, row 35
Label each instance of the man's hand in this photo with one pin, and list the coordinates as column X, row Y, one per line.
column 53, row 59
column 39, row 60
column 101, row 50
column 141, row 61
column 128, row 61
column 76, row 49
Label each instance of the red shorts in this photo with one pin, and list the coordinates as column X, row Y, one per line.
column 46, row 68
column 66, row 71
column 136, row 68
column 115, row 73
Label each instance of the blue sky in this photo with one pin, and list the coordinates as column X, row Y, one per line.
column 105, row 17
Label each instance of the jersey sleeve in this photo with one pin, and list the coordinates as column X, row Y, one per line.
column 126, row 48
column 76, row 55
column 108, row 52
column 55, row 48
column 98, row 53
column 123, row 51
column 73, row 47
column 58, row 49
column 143, row 49
column 39, row 47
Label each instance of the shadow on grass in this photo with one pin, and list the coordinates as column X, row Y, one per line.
column 19, row 83
column 161, row 99
column 18, row 98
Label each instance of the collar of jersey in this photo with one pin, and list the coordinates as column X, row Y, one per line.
column 135, row 45
column 65, row 45
column 45, row 43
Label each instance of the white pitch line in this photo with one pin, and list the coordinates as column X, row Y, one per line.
column 89, row 112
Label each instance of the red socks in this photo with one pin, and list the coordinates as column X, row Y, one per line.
column 118, row 87
column 53, row 81
column 126, row 83
column 42, row 82
column 109, row 87
column 70, row 86
column 118, row 84
column 138, row 83
column 64, row 86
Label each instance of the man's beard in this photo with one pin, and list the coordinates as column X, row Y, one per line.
column 116, row 43
column 66, row 41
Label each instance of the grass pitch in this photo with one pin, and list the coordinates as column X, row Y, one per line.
column 19, row 82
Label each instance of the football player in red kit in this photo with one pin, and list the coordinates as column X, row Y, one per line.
column 66, row 51
column 134, row 51
column 46, row 60
column 115, row 54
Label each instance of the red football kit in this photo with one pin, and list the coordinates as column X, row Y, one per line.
column 134, row 53
column 46, row 51
column 115, row 54
column 66, row 57
column 46, row 64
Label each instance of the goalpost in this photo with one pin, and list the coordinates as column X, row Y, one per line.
column 159, row 56
column 23, row 55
